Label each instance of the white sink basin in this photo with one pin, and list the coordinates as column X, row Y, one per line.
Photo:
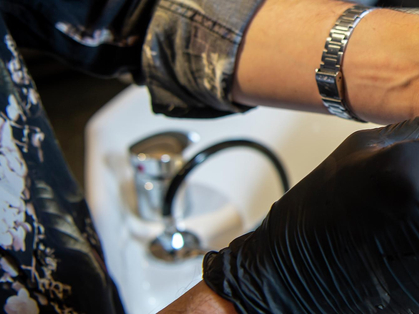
column 233, row 190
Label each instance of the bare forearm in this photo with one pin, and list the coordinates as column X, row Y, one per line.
column 200, row 300
column 283, row 45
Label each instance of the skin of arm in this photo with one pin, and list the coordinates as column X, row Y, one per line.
column 200, row 300
column 283, row 45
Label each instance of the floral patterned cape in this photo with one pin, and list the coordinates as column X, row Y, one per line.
column 50, row 257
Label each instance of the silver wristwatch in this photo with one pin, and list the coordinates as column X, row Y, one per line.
column 329, row 76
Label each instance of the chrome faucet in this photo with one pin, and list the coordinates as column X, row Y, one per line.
column 156, row 160
column 160, row 171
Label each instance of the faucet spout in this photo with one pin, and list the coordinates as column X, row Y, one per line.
column 174, row 245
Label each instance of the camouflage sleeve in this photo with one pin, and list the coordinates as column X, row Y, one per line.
column 189, row 56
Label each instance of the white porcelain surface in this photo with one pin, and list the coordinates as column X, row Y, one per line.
column 242, row 182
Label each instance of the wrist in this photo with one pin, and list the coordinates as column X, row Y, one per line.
column 200, row 300
column 283, row 46
column 381, row 67
column 281, row 49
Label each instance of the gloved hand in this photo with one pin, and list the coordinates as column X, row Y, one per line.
column 343, row 240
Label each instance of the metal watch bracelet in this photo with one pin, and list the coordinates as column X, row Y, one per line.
column 329, row 75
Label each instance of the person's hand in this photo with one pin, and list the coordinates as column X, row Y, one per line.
column 343, row 240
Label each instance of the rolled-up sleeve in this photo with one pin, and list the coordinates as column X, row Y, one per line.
column 184, row 50
column 189, row 55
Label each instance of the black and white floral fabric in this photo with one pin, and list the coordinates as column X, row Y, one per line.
column 50, row 257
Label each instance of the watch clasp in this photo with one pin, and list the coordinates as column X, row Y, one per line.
column 330, row 84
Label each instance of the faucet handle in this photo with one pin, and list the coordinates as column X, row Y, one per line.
column 161, row 155
column 160, row 167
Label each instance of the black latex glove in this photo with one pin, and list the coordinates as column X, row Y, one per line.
column 343, row 240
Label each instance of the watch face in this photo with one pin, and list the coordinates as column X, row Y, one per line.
column 328, row 84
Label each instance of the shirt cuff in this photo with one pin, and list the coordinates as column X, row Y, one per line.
column 189, row 56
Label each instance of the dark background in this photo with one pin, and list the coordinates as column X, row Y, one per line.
column 399, row 3
column 70, row 98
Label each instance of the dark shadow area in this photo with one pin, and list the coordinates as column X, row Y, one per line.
column 398, row 3
column 70, row 98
